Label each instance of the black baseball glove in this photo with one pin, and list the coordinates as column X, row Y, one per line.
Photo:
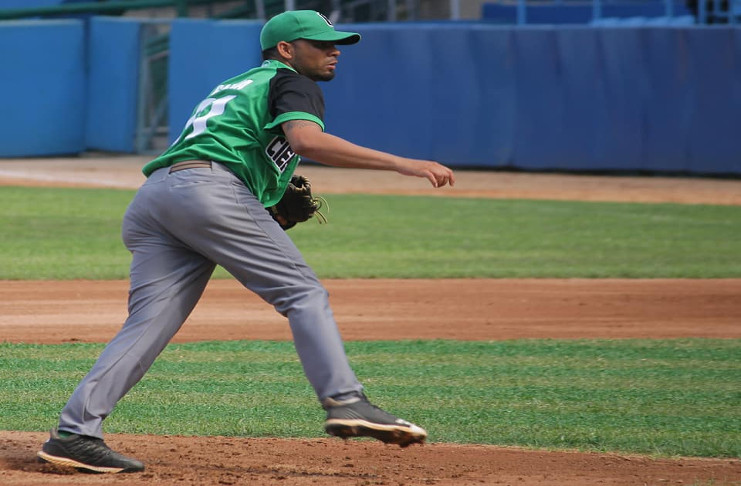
column 297, row 205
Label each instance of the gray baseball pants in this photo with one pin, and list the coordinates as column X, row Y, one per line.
column 178, row 228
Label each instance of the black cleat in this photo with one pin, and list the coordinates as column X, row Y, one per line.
column 357, row 417
column 87, row 454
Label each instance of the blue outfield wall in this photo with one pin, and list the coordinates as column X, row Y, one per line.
column 69, row 86
column 113, row 54
column 540, row 98
column 42, row 78
column 576, row 98
column 664, row 99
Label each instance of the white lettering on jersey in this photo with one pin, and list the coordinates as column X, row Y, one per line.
column 237, row 86
column 280, row 152
column 198, row 120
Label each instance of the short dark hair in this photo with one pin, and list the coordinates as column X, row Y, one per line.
column 270, row 53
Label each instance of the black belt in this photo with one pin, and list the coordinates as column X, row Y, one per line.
column 190, row 164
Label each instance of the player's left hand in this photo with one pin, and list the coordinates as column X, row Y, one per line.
column 297, row 205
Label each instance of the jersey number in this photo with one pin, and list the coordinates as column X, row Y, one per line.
column 209, row 108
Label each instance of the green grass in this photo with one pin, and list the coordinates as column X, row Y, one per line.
column 75, row 234
column 50, row 233
column 663, row 397
column 443, row 238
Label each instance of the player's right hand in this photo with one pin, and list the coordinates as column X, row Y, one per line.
column 438, row 174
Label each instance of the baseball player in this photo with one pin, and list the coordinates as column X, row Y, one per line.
column 204, row 204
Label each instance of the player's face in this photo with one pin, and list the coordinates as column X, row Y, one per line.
column 316, row 60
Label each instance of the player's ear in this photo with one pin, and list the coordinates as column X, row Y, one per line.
column 285, row 49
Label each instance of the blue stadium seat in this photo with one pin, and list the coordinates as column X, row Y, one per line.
column 14, row 4
column 683, row 20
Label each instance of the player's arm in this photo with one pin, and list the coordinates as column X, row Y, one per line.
column 308, row 140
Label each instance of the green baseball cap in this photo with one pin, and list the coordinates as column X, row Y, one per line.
column 303, row 24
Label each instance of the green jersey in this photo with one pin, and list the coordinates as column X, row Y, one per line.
column 238, row 125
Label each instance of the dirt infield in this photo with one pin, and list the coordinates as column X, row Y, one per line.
column 474, row 309
column 125, row 172
column 50, row 312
